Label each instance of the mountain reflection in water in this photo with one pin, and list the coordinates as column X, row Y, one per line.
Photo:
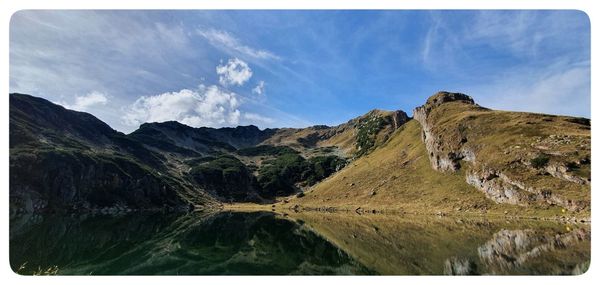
column 264, row 243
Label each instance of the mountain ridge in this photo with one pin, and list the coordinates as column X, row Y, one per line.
column 175, row 166
column 495, row 162
column 67, row 160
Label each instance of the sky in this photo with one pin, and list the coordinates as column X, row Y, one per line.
column 296, row 68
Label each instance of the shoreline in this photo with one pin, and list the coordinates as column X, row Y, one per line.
column 280, row 208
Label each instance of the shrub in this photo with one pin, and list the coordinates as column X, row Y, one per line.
column 226, row 175
column 540, row 161
column 281, row 174
column 367, row 132
column 266, row 150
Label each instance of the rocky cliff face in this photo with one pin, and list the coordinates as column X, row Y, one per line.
column 443, row 157
column 514, row 158
column 62, row 160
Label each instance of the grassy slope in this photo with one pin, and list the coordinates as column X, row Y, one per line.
column 504, row 140
column 398, row 177
column 341, row 138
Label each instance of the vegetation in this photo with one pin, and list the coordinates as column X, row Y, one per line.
column 227, row 176
column 280, row 175
column 398, row 177
column 78, row 160
column 540, row 161
column 368, row 128
column 266, row 150
column 320, row 167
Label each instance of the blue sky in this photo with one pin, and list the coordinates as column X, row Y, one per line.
column 296, row 68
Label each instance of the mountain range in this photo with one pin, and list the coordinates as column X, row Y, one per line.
column 451, row 156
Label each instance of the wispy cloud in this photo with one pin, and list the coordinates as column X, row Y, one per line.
column 521, row 35
column 225, row 40
column 258, row 119
column 560, row 89
column 86, row 102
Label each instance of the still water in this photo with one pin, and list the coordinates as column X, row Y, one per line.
column 265, row 243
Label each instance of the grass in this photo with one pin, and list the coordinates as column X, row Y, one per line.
column 519, row 144
column 397, row 177
column 39, row 271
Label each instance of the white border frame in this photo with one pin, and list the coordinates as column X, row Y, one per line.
column 9, row 7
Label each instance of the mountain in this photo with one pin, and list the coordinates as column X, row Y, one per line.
column 454, row 156
column 63, row 160
column 457, row 156
column 66, row 160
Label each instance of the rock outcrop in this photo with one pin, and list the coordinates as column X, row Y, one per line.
column 443, row 157
column 511, row 157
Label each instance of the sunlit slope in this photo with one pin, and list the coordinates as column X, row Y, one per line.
column 520, row 158
column 398, row 177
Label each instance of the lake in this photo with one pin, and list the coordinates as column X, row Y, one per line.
column 267, row 243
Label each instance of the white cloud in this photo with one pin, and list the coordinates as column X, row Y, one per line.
column 259, row 89
column 223, row 39
column 83, row 103
column 208, row 106
column 235, row 72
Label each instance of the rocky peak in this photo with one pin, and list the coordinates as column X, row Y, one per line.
column 399, row 118
column 444, row 97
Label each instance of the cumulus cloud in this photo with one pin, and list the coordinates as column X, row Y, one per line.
column 224, row 40
column 208, row 106
column 235, row 72
column 85, row 102
column 259, row 89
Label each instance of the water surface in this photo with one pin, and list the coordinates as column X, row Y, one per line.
column 265, row 243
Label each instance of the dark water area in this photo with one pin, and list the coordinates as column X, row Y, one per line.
column 264, row 243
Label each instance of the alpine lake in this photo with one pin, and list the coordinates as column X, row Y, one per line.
column 295, row 243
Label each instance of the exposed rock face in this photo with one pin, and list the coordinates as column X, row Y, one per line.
column 399, row 118
column 63, row 160
column 526, row 163
column 459, row 266
column 76, row 181
column 441, row 158
column 564, row 172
